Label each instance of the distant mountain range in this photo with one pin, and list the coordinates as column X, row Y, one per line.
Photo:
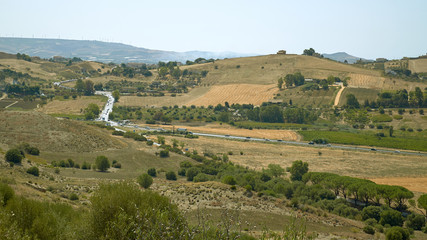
column 102, row 51
column 342, row 56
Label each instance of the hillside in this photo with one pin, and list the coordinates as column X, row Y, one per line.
column 101, row 51
column 342, row 56
column 50, row 134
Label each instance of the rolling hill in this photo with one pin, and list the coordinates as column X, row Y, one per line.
column 342, row 56
column 101, row 51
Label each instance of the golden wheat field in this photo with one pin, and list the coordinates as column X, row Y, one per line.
column 236, row 93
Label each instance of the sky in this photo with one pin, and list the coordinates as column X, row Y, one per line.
column 365, row 28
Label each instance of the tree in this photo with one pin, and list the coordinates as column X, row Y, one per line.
column 298, row 169
column 164, row 153
column 280, row 83
column 289, row 80
column 276, row 170
column 88, row 88
column 422, row 202
column 102, row 163
column 415, row 221
column 80, row 86
column 13, row 155
column 309, row 52
column 171, row 176
column 391, row 217
column 145, row 180
column 116, row 95
column 397, row 233
column 352, row 101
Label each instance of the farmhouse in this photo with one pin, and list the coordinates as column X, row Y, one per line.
column 281, row 52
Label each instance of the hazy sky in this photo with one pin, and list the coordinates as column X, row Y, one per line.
column 364, row 28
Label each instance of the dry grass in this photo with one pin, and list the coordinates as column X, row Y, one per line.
column 50, row 134
column 351, row 163
column 225, row 129
column 315, row 98
column 418, row 184
column 236, row 93
column 180, row 99
column 418, row 65
column 361, row 94
column 381, row 83
column 72, row 106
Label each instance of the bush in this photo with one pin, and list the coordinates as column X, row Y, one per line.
column 182, row 172
column 171, row 176
column 185, row 164
column 73, row 197
column 33, row 151
column 369, row 230
column 13, row 155
column 391, row 217
column 152, row 172
column 145, row 180
column 117, row 165
column 201, row 177
column 6, row 193
column 102, row 163
column 397, row 233
column 229, row 180
column 415, row 221
column 164, row 153
column 191, row 173
column 371, row 212
column 33, row 171
column 150, row 143
column 85, row 166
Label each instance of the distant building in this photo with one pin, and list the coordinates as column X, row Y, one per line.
column 308, row 80
column 281, row 52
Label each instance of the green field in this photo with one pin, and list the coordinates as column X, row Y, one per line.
column 416, row 141
column 361, row 94
column 313, row 98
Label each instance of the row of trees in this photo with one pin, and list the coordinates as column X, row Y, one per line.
column 22, row 89
column 85, row 87
column 296, row 79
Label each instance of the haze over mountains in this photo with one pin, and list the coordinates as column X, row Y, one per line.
column 118, row 52
column 102, row 51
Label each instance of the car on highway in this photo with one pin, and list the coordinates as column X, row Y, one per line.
column 311, row 143
column 373, row 149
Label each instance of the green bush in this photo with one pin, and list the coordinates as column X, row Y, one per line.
column 201, row 177
column 102, row 163
column 73, row 197
column 415, row 221
column 145, row 180
column 191, row 173
column 397, row 233
column 152, row 172
column 391, row 217
column 371, row 212
column 164, row 153
column 33, row 171
column 369, row 230
column 171, row 176
column 13, row 155
column 6, row 193
column 229, row 180
column 381, row 118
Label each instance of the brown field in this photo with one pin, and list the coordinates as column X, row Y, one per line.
column 72, row 106
column 418, row 184
column 227, row 129
column 236, row 93
column 351, row 163
column 418, row 65
column 180, row 99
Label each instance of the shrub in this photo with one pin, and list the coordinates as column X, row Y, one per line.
column 171, row 176
column 397, row 233
column 117, row 165
column 229, row 180
column 410, row 130
column 201, row 177
column 398, row 117
column 182, row 172
column 33, row 151
column 85, row 166
column 369, row 230
column 164, row 153
column 415, row 221
column 73, row 197
column 185, row 164
column 102, row 163
column 371, row 212
column 152, row 172
column 191, row 173
column 145, row 180
column 33, row 171
column 13, row 155
column 391, row 217
column 6, row 193
column 150, row 143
